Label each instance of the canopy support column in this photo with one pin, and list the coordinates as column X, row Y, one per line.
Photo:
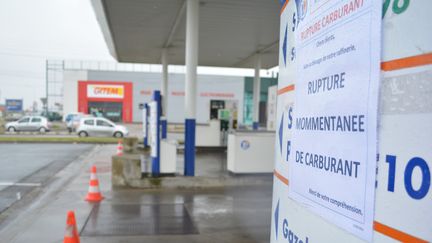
column 192, row 18
column 164, row 92
column 256, row 91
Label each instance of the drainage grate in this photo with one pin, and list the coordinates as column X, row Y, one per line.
column 124, row 219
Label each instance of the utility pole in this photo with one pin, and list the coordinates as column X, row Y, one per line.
column 46, row 87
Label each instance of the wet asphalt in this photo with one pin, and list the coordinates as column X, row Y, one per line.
column 24, row 167
column 228, row 214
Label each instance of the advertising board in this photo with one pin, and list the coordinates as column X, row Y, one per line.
column 105, row 91
column 14, row 105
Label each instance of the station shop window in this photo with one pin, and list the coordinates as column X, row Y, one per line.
column 109, row 110
column 248, row 99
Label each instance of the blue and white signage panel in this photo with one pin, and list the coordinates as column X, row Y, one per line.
column 14, row 105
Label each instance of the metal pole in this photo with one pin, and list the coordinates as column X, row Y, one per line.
column 164, row 87
column 192, row 18
column 46, row 87
column 256, row 91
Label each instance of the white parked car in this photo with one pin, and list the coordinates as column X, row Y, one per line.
column 29, row 124
column 98, row 126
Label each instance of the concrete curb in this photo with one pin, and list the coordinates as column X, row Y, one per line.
column 126, row 172
column 64, row 140
column 199, row 182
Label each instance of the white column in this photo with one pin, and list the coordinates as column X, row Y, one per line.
column 191, row 57
column 192, row 19
column 256, row 88
column 164, row 86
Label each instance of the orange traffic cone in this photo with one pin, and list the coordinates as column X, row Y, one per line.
column 120, row 148
column 71, row 234
column 93, row 194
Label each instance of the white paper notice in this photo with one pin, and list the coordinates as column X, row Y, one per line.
column 334, row 140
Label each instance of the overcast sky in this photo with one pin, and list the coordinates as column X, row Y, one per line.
column 33, row 31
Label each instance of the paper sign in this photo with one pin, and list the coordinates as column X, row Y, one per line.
column 333, row 151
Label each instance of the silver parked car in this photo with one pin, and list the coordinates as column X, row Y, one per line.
column 98, row 126
column 29, row 124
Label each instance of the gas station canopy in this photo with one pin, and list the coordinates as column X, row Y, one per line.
column 231, row 32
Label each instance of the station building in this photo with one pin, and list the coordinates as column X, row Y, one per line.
column 117, row 95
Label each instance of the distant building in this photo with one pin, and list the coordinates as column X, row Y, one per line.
column 117, row 95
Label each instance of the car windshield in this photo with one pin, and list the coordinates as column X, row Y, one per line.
column 89, row 122
column 36, row 119
column 24, row 120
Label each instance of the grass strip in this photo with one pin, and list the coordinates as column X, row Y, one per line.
column 19, row 139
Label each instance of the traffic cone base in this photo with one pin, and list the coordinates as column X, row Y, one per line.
column 94, row 197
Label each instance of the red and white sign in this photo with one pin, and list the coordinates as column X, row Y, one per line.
column 105, row 91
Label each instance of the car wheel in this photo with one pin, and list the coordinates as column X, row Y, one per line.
column 42, row 130
column 118, row 134
column 83, row 134
column 11, row 129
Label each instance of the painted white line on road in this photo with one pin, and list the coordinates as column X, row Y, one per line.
column 18, row 184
